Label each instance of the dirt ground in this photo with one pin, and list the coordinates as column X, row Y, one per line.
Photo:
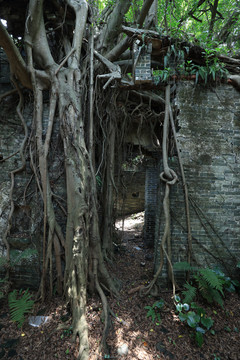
column 132, row 335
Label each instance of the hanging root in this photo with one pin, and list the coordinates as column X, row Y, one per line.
column 170, row 178
column 14, row 172
column 189, row 255
column 107, row 321
column 166, row 238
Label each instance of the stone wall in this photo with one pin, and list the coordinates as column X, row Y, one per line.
column 26, row 223
column 209, row 138
column 131, row 193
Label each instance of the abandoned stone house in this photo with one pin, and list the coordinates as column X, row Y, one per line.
column 208, row 133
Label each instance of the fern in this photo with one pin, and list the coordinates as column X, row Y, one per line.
column 19, row 306
column 217, row 297
column 204, row 288
column 212, row 279
column 207, row 291
column 190, row 293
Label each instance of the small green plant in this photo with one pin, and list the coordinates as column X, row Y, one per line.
column 196, row 320
column 227, row 329
column 67, row 332
column 212, row 69
column 152, row 310
column 20, row 303
column 171, row 341
column 209, row 283
column 161, row 75
column 229, row 284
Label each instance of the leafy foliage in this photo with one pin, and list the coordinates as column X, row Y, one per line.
column 197, row 320
column 189, row 293
column 209, row 283
column 152, row 310
column 19, row 304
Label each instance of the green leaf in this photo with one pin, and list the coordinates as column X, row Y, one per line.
column 179, row 307
column 200, row 329
column 192, row 319
column 199, row 338
column 182, row 316
column 151, row 312
column 212, row 279
column 177, row 298
column 189, row 293
column 207, row 322
column 159, row 304
column 186, row 307
column 191, row 322
column 227, row 328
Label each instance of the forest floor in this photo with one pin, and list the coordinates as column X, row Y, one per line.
column 132, row 331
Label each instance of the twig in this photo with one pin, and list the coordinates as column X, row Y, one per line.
column 65, row 60
column 5, row 159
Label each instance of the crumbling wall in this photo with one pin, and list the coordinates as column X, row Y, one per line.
column 209, row 138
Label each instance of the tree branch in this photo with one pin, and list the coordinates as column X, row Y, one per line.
column 227, row 28
column 81, row 12
column 213, row 18
column 17, row 64
column 113, row 26
column 192, row 11
column 144, row 11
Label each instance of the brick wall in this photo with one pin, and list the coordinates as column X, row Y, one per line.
column 151, row 200
column 26, row 222
column 142, row 63
column 209, row 138
column 131, row 193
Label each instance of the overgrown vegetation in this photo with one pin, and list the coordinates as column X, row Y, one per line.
column 208, row 283
column 70, row 61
